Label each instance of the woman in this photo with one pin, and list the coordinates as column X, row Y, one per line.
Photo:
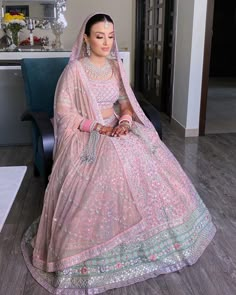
column 118, row 207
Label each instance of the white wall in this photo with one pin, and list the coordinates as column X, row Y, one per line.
column 197, row 56
column 120, row 11
column 190, row 36
column 183, row 46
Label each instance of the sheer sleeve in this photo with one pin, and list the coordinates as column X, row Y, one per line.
column 122, row 93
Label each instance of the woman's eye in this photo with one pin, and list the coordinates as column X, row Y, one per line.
column 111, row 37
column 99, row 37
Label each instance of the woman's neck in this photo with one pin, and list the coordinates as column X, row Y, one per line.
column 97, row 60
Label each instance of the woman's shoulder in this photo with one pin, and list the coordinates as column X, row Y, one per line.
column 73, row 64
column 73, row 67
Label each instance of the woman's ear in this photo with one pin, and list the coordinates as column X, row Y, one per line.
column 86, row 39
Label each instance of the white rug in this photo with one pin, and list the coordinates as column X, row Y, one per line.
column 10, row 181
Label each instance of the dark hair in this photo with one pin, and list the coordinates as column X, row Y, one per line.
column 97, row 18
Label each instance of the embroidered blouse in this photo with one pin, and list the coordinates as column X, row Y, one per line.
column 107, row 92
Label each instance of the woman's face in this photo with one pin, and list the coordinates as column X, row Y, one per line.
column 101, row 39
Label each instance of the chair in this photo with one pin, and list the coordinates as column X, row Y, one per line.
column 40, row 77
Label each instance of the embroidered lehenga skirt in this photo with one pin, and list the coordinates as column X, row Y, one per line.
column 131, row 215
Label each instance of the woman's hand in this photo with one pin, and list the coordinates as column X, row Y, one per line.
column 104, row 130
column 119, row 130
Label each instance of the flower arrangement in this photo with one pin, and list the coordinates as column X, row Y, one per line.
column 37, row 41
column 14, row 22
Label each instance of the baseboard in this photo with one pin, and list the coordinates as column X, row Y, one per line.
column 183, row 131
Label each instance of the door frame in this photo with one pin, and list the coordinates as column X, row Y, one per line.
column 139, row 46
column 167, row 74
column 206, row 65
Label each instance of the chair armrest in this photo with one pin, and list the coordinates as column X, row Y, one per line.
column 45, row 129
column 151, row 112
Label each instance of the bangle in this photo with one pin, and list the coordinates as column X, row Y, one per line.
column 124, row 121
column 98, row 127
column 87, row 125
column 126, row 118
column 125, row 124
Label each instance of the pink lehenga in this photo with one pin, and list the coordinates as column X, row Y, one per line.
column 117, row 210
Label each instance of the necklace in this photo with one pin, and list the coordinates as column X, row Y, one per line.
column 97, row 72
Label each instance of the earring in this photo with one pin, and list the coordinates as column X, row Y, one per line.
column 88, row 49
column 112, row 54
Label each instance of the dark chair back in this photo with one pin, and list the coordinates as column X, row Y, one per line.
column 40, row 77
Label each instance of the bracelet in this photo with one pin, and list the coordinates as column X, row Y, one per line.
column 126, row 118
column 98, row 127
column 125, row 124
column 87, row 125
column 125, row 121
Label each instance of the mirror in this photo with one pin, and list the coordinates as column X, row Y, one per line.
column 39, row 14
column 35, row 9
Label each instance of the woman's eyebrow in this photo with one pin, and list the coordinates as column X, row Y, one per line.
column 104, row 33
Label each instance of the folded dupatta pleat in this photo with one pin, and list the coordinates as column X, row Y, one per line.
column 89, row 153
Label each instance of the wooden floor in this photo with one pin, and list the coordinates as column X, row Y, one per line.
column 221, row 105
column 209, row 161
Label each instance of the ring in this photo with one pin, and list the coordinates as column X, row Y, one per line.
column 99, row 127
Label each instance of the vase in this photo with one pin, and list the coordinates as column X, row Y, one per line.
column 57, row 30
column 15, row 37
column 58, row 44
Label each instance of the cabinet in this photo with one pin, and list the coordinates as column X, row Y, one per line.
column 12, row 105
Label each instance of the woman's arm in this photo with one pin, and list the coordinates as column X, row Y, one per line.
column 125, row 121
column 126, row 110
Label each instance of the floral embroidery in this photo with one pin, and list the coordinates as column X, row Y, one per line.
column 153, row 257
column 119, row 265
column 177, row 246
column 84, row 270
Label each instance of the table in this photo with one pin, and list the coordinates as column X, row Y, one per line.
column 10, row 181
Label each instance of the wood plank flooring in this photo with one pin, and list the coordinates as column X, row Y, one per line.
column 209, row 161
column 221, row 105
